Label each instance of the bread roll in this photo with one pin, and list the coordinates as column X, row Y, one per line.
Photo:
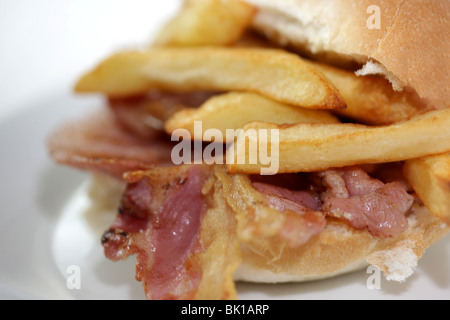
column 406, row 41
column 340, row 249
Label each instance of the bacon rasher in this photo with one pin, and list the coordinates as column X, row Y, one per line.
column 98, row 143
column 186, row 245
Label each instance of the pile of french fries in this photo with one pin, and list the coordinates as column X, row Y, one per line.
column 265, row 87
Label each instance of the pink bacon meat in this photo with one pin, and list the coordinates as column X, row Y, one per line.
column 160, row 223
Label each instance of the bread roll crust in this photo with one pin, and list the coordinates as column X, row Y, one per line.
column 340, row 249
column 411, row 46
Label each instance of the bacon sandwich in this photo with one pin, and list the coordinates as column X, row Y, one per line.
column 347, row 99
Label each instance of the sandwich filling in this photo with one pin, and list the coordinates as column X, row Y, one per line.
column 164, row 211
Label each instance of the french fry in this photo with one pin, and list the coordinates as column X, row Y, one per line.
column 310, row 147
column 371, row 99
column 207, row 22
column 430, row 178
column 234, row 110
column 275, row 74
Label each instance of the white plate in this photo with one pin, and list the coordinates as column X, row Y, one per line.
column 44, row 227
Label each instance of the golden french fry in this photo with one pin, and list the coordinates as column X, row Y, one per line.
column 276, row 74
column 312, row 146
column 430, row 178
column 371, row 99
column 233, row 110
column 207, row 22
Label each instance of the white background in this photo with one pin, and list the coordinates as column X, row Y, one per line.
column 46, row 44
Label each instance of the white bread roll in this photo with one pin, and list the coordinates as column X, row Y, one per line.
column 410, row 47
